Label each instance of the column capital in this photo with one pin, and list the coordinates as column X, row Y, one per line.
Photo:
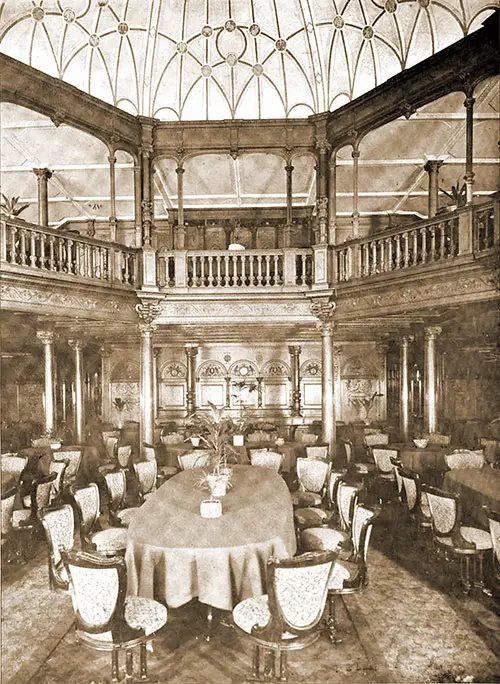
column 289, row 168
column 191, row 350
column 112, row 159
column 45, row 336
column 105, row 350
column 148, row 310
column 76, row 345
column 406, row 340
column 432, row 332
column 322, row 144
column 156, row 352
column 43, row 173
column 433, row 165
column 294, row 349
column 146, row 329
column 180, row 169
column 324, row 310
column 355, row 153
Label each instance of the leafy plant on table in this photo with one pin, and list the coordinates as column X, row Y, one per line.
column 215, row 432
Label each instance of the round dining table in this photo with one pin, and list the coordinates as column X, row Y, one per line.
column 175, row 555
column 422, row 460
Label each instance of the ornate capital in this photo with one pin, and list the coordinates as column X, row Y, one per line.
column 76, row 345
column 191, row 350
column 180, row 170
column 355, row 153
column 148, row 311
column 469, row 102
column 289, row 168
column 406, row 340
column 322, row 206
column 45, row 336
column 322, row 144
column 432, row 332
column 433, row 165
column 294, row 349
column 43, row 173
column 324, row 310
column 105, row 351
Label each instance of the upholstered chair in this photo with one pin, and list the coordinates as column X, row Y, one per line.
column 414, row 499
column 351, row 576
column 74, row 457
column 376, row 439
column 437, row 438
column 466, row 543
column 359, row 468
column 116, row 487
column 494, row 525
column 13, row 464
column 266, row 459
column 145, row 473
column 396, row 464
column 464, row 459
column 106, row 619
column 59, row 525
column 8, row 501
column 163, row 472
column 287, row 617
column 194, row 459
column 308, row 499
column 59, row 468
column 318, row 452
column 110, row 541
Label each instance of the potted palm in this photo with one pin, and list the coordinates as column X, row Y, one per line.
column 241, row 396
column 11, row 208
column 364, row 404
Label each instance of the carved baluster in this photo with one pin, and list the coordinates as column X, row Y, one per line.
column 415, row 246
column 218, row 260
column 243, row 269
column 453, row 228
column 388, row 265
column 268, row 270
column 202, row 270
column 210, row 280
column 303, row 271
column 60, row 254
column 126, row 270
column 76, row 252
column 226, row 269
column 433, row 243
column 442, row 240
column 381, row 268
column 12, row 244
column 22, row 246
column 104, row 263
column 277, row 280
column 32, row 248
column 52, row 264
column 398, row 251
column 250, row 272
column 259, row 269
column 70, row 265
column 97, row 256
column 423, row 244
column 374, row 257
column 89, row 261
column 43, row 242
column 406, row 239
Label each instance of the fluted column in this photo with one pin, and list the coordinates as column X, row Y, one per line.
column 289, row 203
column 156, row 399
column 46, row 337
column 112, row 200
column 432, row 167
column 294, row 351
column 469, row 147
column 404, row 384
column 191, row 351
column 430, row 378
column 43, row 176
column 105, row 352
column 79, row 411
column 332, row 201
column 138, row 205
column 324, row 311
column 355, row 191
column 322, row 173
column 147, row 312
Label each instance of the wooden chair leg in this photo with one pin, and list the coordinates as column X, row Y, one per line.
column 256, row 662
column 269, row 665
column 114, row 666
column 129, row 665
column 283, row 666
column 332, row 619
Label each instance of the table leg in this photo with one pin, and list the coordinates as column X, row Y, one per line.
column 210, row 618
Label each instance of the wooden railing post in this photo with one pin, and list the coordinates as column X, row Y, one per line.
column 355, row 265
column 466, row 230
column 148, row 270
column 289, row 267
column 180, row 258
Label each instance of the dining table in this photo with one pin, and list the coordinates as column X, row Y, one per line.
column 422, row 460
column 174, row 554
column 477, row 487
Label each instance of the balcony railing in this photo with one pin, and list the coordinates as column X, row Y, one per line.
column 42, row 249
column 273, row 268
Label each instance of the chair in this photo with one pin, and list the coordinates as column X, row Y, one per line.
column 74, row 457
column 116, row 488
column 13, row 464
column 146, row 472
column 450, row 536
column 351, row 576
column 491, row 448
column 464, row 458
column 106, row 619
column 494, row 525
column 163, row 472
column 360, row 468
column 376, row 439
column 7, row 507
column 59, row 524
column 110, row 440
column 123, row 454
column 319, row 452
column 383, row 463
column 347, row 498
column 288, row 616
column 436, row 438
column 313, row 478
column 59, row 468
column 110, row 541
column 194, row 459
column 396, row 464
column 266, row 459
column 414, row 498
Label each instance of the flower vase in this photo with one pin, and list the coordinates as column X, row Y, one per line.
column 217, row 484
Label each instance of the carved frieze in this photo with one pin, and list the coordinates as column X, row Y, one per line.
column 231, row 310
column 243, row 369
column 275, row 369
column 211, row 369
column 311, row 369
column 173, row 371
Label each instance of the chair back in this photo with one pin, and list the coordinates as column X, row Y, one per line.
column 382, row 458
column 8, row 500
column 312, row 474
column 194, row 459
column 110, row 442
column 362, row 524
column 74, row 458
column 116, row 487
column 298, row 589
column 266, row 459
column 146, row 472
column 59, row 468
column 256, row 450
column 491, row 448
column 98, row 592
column 464, row 459
column 494, row 525
column 319, row 452
column 87, row 505
column 376, row 438
column 444, row 510
column 123, row 455
column 396, row 464
column 349, row 451
column 347, row 496
column 59, row 524
column 13, row 464
column 43, row 493
column 436, row 438
column 334, row 480
column 411, row 489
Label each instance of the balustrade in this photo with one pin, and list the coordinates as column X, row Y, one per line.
column 484, row 227
column 44, row 249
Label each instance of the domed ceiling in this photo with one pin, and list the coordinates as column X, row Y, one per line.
column 226, row 59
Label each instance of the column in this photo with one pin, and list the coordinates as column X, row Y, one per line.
column 43, row 176
column 156, row 398
column 191, row 351
column 322, row 190
column 259, row 391
column 181, row 231
column 147, row 312
column 432, row 167
column 77, row 346
column 355, row 190
column 105, row 352
column 147, row 198
column 332, row 201
column 228, row 391
column 46, row 337
column 430, row 378
column 112, row 195
column 469, row 147
column 294, row 350
column 404, row 385
column 289, row 201
column 324, row 311
column 138, row 205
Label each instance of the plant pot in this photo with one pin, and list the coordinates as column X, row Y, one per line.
column 195, row 441
column 238, row 440
column 217, row 484
column 210, row 508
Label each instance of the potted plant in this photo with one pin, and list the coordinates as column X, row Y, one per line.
column 458, row 195
column 241, row 396
column 119, row 405
column 215, row 432
column 364, row 404
column 11, row 208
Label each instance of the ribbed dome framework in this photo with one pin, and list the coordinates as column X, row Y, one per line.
column 212, row 59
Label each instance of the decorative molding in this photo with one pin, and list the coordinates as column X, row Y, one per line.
column 148, row 310
column 243, row 369
column 311, row 369
column 211, row 369
column 173, row 370
column 356, row 367
column 276, row 369
column 230, row 310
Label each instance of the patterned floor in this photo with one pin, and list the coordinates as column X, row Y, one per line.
column 411, row 625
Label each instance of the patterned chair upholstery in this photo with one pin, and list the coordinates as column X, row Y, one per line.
column 449, row 535
column 360, row 468
column 436, row 438
column 313, row 478
column 59, row 468
column 376, row 439
column 464, row 459
column 266, row 459
column 163, row 472
column 334, row 480
column 194, row 459
column 414, row 499
column 494, row 525
column 319, row 452
column 396, row 464
column 288, row 616
column 123, row 454
column 116, row 487
column 13, row 464
column 383, row 463
column 74, row 457
column 110, row 541
column 351, row 576
column 106, row 619
column 146, row 472
column 59, row 524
